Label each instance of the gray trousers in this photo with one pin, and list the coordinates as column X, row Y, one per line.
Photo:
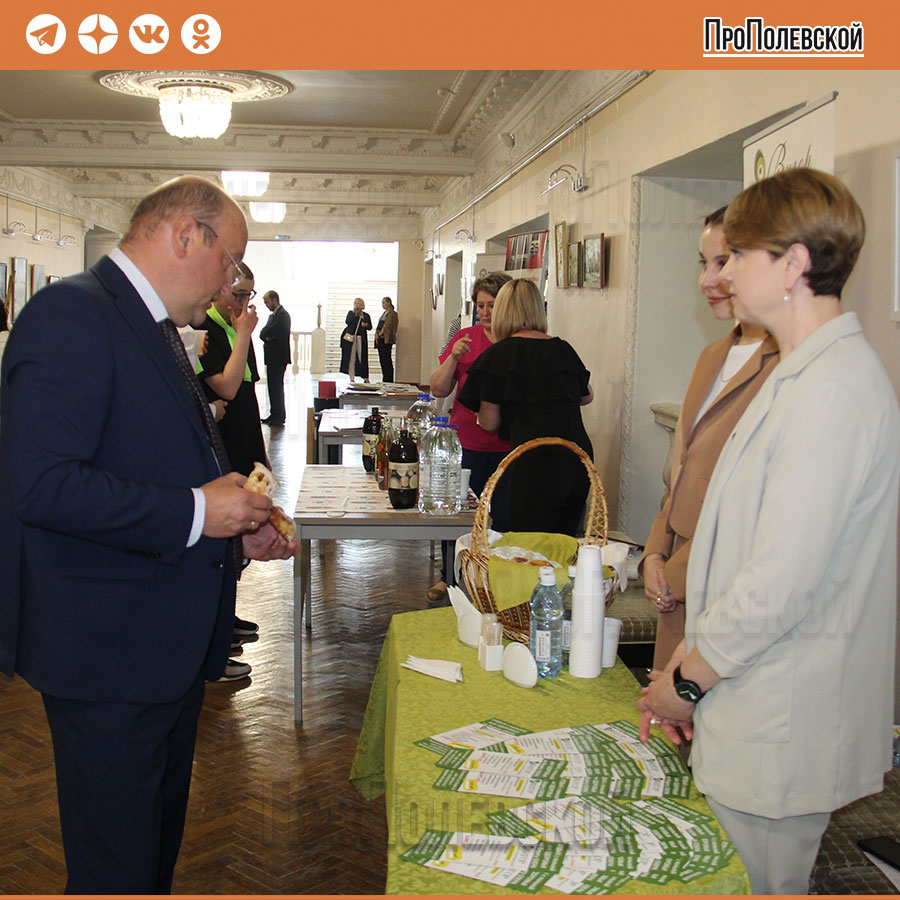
column 779, row 853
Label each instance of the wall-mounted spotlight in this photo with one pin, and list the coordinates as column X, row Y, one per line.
column 14, row 228
column 468, row 235
column 564, row 173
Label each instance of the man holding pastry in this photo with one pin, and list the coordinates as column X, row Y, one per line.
column 123, row 528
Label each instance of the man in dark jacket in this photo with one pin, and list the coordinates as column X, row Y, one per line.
column 276, row 338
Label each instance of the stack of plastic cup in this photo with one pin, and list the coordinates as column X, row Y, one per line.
column 588, row 608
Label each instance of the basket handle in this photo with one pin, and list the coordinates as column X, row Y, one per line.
column 597, row 521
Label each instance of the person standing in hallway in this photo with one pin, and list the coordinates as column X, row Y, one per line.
column 122, row 524
column 355, row 342
column 276, row 338
column 228, row 372
column 727, row 376
column 785, row 675
column 386, row 337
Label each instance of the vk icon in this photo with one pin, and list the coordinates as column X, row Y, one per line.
column 148, row 33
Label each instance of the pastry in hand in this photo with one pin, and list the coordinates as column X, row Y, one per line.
column 261, row 481
column 283, row 523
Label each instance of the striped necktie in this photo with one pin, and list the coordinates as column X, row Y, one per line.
column 173, row 339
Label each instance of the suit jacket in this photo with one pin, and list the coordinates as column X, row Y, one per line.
column 276, row 338
column 100, row 443
column 792, row 586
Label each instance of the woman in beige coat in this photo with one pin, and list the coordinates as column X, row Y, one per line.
column 726, row 378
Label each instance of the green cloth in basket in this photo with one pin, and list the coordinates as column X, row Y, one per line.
column 512, row 582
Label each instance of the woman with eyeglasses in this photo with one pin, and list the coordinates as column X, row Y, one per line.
column 228, row 371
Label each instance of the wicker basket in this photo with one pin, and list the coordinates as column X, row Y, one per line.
column 474, row 562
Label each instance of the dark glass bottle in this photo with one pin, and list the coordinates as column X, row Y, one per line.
column 370, row 431
column 403, row 471
column 383, row 448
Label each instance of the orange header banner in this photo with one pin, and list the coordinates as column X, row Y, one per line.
column 403, row 34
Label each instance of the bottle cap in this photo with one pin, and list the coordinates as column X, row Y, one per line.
column 424, row 396
column 441, row 420
column 547, row 576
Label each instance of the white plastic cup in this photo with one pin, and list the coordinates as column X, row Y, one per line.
column 612, row 629
column 465, row 474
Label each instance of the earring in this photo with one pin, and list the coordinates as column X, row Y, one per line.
column 787, row 298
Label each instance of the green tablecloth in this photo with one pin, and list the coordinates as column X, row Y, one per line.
column 405, row 706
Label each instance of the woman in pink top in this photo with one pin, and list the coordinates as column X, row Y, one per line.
column 482, row 450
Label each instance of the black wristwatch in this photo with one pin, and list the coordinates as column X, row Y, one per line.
column 685, row 688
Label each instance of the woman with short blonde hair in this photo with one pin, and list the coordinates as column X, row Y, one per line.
column 529, row 385
column 519, row 307
column 355, row 343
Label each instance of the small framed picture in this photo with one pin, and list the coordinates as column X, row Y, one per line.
column 595, row 261
column 19, row 285
column 37, row 278
column 561, row 235
column 574, row 265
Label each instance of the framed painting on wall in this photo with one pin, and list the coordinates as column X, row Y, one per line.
column 573, row 266
column 19, row 286
column 561, row 235
column 37, row 278
column 595, row 261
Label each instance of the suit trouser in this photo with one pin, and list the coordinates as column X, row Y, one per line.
column 123, row 772
column 387, row 364
column 275, row 383
column 779, row 853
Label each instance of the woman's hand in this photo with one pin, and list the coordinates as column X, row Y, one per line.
column 461, row 347
column 245, row 321
column 656, row 586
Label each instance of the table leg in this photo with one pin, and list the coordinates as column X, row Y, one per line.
column 299, row 586
column 306, row 580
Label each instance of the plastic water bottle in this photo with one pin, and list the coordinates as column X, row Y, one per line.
column 546, row 625
column 420, row 417
column 440, row 470
column 566, row 594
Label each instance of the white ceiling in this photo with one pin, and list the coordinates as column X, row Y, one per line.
column 342, row 145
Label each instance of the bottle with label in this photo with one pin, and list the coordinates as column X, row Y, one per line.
column 403, row 470
column 566, row 594
column 382, row 450
column 440, row 470
column 420, row 417
column 546, row 625
column 370, row 430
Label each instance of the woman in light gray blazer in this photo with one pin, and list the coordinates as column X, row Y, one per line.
column 785, row 675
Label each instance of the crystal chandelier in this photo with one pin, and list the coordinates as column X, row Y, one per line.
column 194, row 111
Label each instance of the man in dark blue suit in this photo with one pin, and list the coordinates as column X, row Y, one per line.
column 117, row 580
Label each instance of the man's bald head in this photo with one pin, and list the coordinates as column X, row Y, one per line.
column 186, row 195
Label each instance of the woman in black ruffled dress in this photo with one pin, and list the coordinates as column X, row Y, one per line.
column 528, row 385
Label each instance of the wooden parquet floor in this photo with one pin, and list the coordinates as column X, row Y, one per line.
column 271, row 809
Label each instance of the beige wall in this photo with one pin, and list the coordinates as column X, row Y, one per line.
column 410, row 310
column 666, row 116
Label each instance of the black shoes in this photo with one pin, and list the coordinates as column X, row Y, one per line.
column 269, row 421
column 245, row 626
